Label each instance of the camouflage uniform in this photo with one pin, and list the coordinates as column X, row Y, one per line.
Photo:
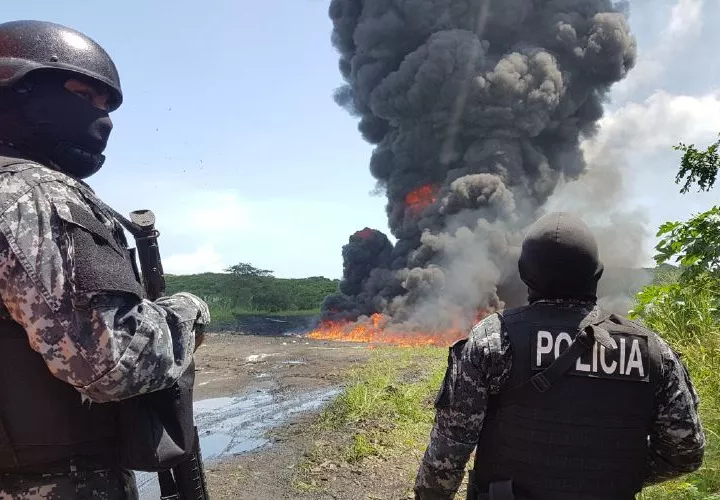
column 109, row 346
column 100, row 485
column 479, row 367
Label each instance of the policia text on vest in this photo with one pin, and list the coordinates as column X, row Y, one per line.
column 629, row 361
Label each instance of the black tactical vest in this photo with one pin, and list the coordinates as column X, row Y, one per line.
column 584, row 438
column 44, row 425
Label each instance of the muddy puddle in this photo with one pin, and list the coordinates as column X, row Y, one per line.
column 231, row 426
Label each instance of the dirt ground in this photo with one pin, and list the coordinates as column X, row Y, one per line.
column 229, row 365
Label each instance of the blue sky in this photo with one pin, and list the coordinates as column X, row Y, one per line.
column 230, row 134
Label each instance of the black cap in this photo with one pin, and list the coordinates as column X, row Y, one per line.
column 29, row 46
column 559, row 259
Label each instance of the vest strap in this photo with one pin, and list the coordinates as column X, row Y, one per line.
column 168, row 488
column 10, row 329
column 501, row 490
column 543, row 381
column 7, row 453
column 132, row 228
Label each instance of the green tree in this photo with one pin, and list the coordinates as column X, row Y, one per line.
column 247, row 270
column 695, row 242
column 698, row 166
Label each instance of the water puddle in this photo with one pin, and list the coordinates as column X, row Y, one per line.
column 233, row 425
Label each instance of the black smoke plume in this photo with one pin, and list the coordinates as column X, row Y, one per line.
column 477, row 110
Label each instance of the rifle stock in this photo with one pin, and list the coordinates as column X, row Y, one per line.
column 185, row 481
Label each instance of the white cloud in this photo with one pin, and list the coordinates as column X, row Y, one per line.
column 685, row 18
column 204, row 259
column 206, row 212
column 658, row 123
column 684, row 25
column 221, row 211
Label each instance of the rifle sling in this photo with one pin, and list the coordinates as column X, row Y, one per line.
column 132, row 228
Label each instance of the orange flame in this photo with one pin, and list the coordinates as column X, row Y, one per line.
column 376, row 330
column 420, row 198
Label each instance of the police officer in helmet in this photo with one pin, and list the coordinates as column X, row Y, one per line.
column 76, row 333
column 561, row 399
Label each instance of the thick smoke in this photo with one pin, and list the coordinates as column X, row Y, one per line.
column 477, row 110
column 620, row 228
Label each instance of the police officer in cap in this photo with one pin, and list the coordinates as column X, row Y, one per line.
column 559, row 398
column 76, row 333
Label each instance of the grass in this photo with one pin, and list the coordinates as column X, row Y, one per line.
column 703, row 363
column 687, row 318
column 385, row 410
column 387, row 404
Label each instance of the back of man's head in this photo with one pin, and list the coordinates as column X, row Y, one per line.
column 559, row 259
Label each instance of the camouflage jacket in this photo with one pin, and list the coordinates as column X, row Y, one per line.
column 98, row 485
column 109, row 346
column 482, row 366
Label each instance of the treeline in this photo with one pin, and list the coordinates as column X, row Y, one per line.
column 245, row 289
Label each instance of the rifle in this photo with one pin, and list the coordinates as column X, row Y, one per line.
column 186, row 481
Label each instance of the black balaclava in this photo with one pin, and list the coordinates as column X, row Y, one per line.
column 559, row 259
column 51, row 124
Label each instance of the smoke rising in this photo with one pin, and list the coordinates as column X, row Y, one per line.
column 477, row 110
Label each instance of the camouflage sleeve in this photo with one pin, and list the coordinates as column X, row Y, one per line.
column 677, row 442
column 110, row 346
column 477, row 367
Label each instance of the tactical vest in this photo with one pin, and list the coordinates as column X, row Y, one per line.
column 586, row 436
column 44, row 425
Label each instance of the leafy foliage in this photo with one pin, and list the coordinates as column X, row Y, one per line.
column 245, row 269
column 695, row 242
column 698, row 166
column 681, row 312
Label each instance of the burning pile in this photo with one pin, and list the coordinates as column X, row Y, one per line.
column 379, row 328
column 476, row 109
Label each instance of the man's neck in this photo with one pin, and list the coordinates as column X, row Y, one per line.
column 9, row 149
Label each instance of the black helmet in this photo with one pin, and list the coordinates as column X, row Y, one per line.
column 27, row 46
